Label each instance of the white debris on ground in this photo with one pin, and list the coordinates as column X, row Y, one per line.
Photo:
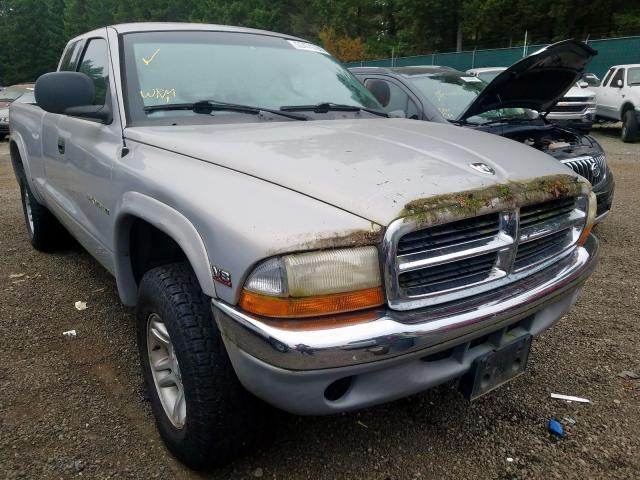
column 569, row 398
column 81, row 305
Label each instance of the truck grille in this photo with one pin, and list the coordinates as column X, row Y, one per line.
column 449, row 234
column 542, row 249
column 576, row 99
column 462, row 258
column 543, row 212
column 591, row 168
column 569, row 108
column 448, row 275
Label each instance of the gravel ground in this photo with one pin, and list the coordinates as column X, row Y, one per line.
column 77, row 407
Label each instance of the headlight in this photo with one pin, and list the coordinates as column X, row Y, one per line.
column 591, row 218
column 314, row 283
column 4, row 119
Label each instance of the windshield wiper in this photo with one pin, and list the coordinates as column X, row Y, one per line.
column 325, row 107
column 208, row 106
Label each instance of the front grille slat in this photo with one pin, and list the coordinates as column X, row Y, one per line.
column 544, row 247
column 462, row 272
column 448, row 234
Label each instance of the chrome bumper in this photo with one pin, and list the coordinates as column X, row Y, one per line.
column 586, row 115
column 385, row 334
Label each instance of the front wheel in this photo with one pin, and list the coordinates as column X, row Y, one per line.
column 202, row 412
column 629, row 126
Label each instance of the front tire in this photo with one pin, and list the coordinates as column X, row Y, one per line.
column 629, row 126
column 202, row 412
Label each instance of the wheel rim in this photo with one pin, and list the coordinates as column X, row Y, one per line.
column 27, row 209
column 165, row 371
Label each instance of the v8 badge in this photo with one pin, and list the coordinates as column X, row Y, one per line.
column 221, row 276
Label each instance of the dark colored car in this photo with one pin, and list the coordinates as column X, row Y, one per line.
column 8, row 95
column 513, row 105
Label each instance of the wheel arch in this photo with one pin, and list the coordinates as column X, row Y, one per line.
column 626, row 106
column 168, row 229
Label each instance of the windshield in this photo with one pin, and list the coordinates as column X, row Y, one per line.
column 451, row 93
column 164, row 68
column 10, row 94
column 633, row 76
column 591, row 79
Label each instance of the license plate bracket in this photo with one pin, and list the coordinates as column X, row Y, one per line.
column 497, row 367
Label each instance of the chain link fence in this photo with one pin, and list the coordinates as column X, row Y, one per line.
column 611, row 51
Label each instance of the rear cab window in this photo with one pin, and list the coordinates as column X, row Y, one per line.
column 633, row 77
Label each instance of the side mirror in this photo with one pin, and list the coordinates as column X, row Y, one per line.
column 619, row 83
column 70, row 93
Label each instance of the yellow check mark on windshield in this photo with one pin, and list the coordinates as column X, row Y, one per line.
column 147, row 62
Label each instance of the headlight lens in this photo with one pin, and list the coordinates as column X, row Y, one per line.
column 315, row 283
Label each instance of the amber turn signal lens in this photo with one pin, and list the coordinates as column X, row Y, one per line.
column 584, row 235
column 311, row 306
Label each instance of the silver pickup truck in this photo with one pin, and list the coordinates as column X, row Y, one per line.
column 281, row 237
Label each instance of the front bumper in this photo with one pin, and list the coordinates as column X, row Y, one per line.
column 581, row 120
column 393, row 354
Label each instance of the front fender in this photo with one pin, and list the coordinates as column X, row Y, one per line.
column 136, row 205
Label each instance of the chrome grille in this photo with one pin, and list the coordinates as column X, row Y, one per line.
column 543, row 212
column 447, row 262
column 569, row 108
column 449, row 234
column 536, row 251
column 576, row 99
column 449, row 275
column 591, row 168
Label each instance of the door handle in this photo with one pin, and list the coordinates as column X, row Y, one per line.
column 61, row 145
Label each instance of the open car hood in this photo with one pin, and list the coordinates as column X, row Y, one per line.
column 537, row 81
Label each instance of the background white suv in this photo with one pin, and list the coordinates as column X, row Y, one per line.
column 618, row 99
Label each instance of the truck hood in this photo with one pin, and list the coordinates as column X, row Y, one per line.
column 370, row 167
column 537, row 81
column 574, row 92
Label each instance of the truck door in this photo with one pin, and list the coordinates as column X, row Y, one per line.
column 81, row 167
column 610, row 97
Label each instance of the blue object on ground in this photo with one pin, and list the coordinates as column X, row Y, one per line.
column 555, row 427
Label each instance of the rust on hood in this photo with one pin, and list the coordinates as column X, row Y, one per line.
column 444, row 208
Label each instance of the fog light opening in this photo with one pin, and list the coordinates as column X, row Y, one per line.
column 336, row 390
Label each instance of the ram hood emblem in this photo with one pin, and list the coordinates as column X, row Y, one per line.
column 483, row 168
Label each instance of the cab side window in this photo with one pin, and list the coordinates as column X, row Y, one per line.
column 70, row 57
column 607, row 77
column 618, row 76
column 95, row 63
column 392, row 97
